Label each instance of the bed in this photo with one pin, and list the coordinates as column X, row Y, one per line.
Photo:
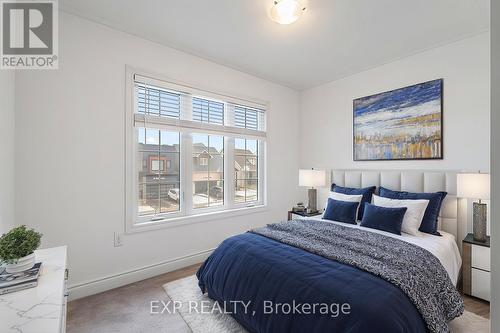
column 444, row 248
column 384, row 282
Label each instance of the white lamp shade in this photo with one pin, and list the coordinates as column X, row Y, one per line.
column 311, row 178
column 473, row 185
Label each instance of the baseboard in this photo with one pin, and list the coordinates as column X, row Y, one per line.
column 114, row 281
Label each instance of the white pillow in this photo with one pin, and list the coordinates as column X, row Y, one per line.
column 345, row 197
column 414, row 213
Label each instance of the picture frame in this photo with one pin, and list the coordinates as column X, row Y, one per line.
column 400, row 124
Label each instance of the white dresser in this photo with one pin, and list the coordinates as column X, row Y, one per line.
column 41, row 309
column 476, row 267
column 300, row 215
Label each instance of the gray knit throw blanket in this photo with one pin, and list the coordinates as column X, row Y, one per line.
column 416, row 271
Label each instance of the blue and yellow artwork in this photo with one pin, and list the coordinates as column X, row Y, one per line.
column 402, row 124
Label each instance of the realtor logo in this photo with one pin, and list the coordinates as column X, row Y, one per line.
column 29, row 34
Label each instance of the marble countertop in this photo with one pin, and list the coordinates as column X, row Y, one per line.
column 39, row 309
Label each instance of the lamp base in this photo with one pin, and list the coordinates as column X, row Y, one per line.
column 312, row 205
column 479, row 221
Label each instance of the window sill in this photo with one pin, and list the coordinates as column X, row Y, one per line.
column 192, row 219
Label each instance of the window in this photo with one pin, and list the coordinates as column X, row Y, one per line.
column 208, row 170
column 246, row 170
column 154, row 149
column 157, row 163
column 156, row 101
column 247, row 118
column 207, row 111
column 195, row 152
column 203, row 160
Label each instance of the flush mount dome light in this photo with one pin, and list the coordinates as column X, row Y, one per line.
column 286, row 11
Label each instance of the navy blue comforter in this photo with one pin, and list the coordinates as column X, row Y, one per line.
column 264, row 273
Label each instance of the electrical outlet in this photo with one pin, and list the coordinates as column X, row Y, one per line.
column 118, row 239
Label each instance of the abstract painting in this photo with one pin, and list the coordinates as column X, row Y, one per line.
column 402, row 124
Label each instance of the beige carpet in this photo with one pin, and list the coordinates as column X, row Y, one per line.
column 186, row 292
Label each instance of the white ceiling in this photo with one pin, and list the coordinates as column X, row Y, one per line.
column 333, row 39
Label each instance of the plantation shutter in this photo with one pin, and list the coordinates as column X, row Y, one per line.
column 166, row 105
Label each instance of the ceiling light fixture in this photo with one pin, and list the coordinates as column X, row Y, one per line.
column 286, row 11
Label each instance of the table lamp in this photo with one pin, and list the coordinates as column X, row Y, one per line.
column 475, row 186
column 312, row 178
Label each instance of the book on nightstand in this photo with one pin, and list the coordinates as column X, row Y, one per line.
column 12, row 282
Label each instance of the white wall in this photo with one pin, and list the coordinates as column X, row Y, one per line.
column 7, row 80
column 495, row 165
column 70, row 151
column 326, row 111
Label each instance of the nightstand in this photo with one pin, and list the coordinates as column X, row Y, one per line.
column 298, row 215
column 476, row 267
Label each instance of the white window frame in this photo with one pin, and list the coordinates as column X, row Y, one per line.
column 187, row 214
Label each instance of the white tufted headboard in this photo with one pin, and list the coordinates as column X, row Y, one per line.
column 453, row 214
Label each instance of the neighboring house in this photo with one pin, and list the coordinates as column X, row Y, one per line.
column 245, row 164
column 158, row 168
column 208, row 167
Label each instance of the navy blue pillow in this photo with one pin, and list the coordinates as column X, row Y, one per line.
column 383, row 218
column 341, row 211
column 367, row 193
column 430, row 221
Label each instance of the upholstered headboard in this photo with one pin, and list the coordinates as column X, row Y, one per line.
column 453, row 214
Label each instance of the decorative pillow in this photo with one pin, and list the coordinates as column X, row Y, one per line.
column 414, row 213
column 345, row 197
column 430, row 220
column 341, row 211
column 366, row 192
column 383, row 218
